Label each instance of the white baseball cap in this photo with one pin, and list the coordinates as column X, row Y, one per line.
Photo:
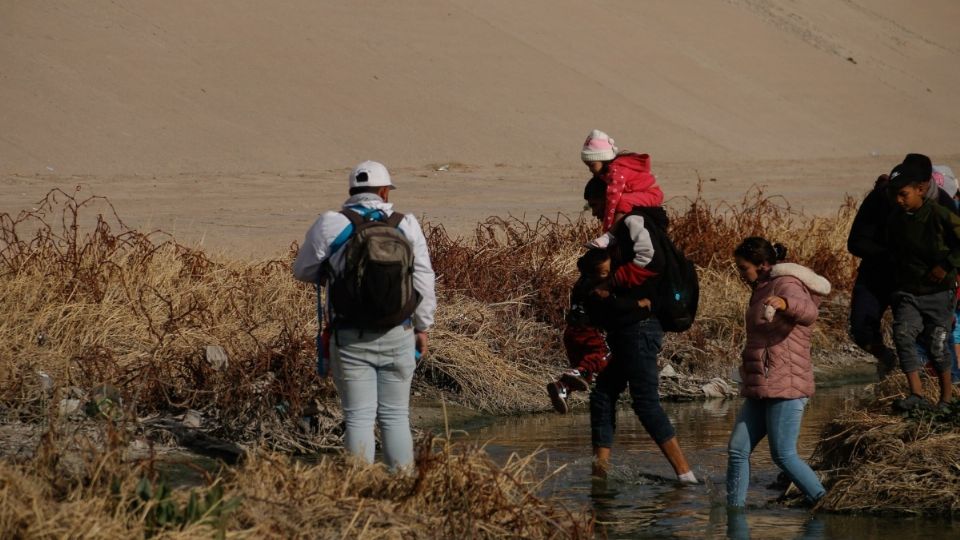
column 370, row 174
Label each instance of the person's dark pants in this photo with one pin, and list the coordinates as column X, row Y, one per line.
column 868, row 302
column 633, row 364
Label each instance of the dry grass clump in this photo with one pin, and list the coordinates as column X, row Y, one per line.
column 709, row 233
column 879, row 462
column 456, row 492
column 509, row 260
column 135, row 311
column 533, row 266
column 490, row 356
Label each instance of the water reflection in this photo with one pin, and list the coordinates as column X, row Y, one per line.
column 640, row 499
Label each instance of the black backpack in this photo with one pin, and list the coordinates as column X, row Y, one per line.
column 374, row 290
column 678, row 291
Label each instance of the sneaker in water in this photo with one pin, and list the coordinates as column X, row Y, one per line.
column 575, row 381
column 558, row 396
column 912, row 402
column 688, row 478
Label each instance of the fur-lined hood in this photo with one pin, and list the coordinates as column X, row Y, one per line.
column 814, row 282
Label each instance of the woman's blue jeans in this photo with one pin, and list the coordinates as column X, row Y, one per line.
column 779, row 420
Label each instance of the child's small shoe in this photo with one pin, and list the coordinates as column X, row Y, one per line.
column 574, row 380
column 558, row 396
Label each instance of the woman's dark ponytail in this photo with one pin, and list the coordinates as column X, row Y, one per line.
column 759, row 250
column 780, row 250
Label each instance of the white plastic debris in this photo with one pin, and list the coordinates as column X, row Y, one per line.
column 192, row 418
column 46, row 381
column 718, row 388
column 216, row 357
column 69, row 406
column 668, row 372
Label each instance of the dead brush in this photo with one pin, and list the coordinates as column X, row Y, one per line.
column 489, row 356
column 709, row 232
column 457, row 491
column 878, row 462
column 83, row 485
column 509, row 260
column 136, row 310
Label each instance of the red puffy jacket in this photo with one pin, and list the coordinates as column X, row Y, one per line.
column 629, row 183
column 586, row 348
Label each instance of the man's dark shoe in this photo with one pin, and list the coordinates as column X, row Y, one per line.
column 558, row 396
column 911, row 403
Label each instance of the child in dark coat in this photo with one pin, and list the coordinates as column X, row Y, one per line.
column 583, row 340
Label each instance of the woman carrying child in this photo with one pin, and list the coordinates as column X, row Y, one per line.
column 776, row 370
column 634, row 336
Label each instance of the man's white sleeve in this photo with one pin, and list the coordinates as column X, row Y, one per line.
column 424, row 278
column 313, row 251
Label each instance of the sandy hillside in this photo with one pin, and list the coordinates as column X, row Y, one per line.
column 236, row 121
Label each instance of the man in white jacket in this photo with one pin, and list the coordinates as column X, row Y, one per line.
column 372, row 368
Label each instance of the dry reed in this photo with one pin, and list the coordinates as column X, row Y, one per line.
column 878, row 462
column 455, row 491
column 91, row 301
column 135, row 311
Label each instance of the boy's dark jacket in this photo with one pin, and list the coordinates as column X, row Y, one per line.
column 919, row 241
column 868, row 236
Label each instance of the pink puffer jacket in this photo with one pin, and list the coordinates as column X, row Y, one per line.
column 776, row 357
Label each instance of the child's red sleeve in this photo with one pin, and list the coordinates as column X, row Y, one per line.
column 630, row 275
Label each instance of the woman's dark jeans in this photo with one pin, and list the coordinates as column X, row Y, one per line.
column 633, row 363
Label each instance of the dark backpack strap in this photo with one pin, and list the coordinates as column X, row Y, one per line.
column 395, row 219
column 355, row 218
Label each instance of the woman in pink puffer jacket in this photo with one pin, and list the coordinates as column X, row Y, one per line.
column 776, row 370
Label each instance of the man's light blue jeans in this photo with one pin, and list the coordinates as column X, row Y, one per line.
column 780, row 420
column 372, row 371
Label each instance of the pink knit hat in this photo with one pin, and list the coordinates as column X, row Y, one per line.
column 598, row 147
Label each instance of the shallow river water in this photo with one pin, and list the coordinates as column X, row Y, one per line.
column 640, row 499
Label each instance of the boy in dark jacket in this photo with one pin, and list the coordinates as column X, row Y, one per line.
column 923, row 239
column 874, row 284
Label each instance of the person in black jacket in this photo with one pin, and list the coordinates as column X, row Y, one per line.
column 867, row 240
column 874, row 284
